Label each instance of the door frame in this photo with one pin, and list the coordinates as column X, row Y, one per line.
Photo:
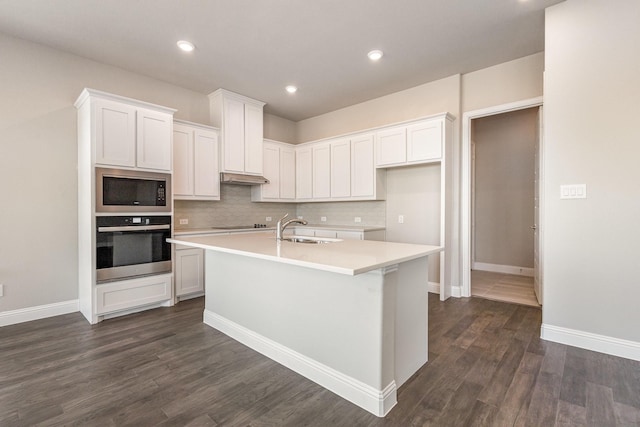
column 465, row 183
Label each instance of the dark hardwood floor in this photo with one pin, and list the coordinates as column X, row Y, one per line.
column 487, row 366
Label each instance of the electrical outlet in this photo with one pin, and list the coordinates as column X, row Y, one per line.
column 323, row 219
column 268, row 219
column 400, row 219
column 184, row 221
column 357, row 219
column 300, row 217
column 1, row 290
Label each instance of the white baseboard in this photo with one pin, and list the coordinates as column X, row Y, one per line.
column 600, row 343
column 506, row 269
column 378, row 402
column 434, row 288
column 38, row 312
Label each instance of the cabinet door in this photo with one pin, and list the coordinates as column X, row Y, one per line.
column 424, row 141
column 349, row 235
column 253, row 139
column 154, row 139
column 341, row 168
column 363, row 171
column 391, row 147
column 189, row 271
column 321, row 171
column 271, row 153
column 206, row 161
column 304, row 173
column 115, row 136
column 233, row 136
column 287, row 173
column 182, row 161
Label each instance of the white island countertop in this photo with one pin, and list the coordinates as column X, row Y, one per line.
column 348, row 257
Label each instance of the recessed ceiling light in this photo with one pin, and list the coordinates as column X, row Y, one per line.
column 291, row 89
column 375, row 55
column 185, row 45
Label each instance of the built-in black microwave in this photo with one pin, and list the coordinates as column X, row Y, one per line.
column 121, row 190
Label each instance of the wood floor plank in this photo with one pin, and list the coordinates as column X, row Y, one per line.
column 487, row 367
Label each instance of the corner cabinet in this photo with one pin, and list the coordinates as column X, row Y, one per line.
column 195, row 162
column 129, row 133
column 280, row 170
column 240, row 120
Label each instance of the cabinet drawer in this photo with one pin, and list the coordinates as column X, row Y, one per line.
column 127, row 294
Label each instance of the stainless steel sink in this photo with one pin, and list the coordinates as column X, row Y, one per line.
column 309, row 240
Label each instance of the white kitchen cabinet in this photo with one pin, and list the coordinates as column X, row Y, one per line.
column 130, row 294
column 424, row 141
column 189, row 271
column 321, row 171
column 391, row 146
column 304, row 173
column 421, row 141
column 129, row 135
column 280, row 169
column 195, row 162
column 367, row 182
column 340, row 166
column 240, row 120
column 328, row 232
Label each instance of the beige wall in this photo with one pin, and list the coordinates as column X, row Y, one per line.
column 279, row 129
column 424, row 100
column 504, row 187
column 38, row 219
column 503, row 83
column 592, row 137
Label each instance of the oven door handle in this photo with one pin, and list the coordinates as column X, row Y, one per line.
column 134, row 228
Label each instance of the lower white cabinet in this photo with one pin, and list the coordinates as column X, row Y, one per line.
column 331, row 233
column 189, row 271
column 128, row 294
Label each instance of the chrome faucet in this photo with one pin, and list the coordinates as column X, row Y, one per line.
column 280, row 226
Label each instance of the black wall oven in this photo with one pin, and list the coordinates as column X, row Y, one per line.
column 125, row 191
column 130, row 246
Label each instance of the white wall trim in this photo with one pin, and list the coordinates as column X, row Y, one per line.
column 465, row 182
column 434, row 288
column 507, row 269
column 38, row 312
column 600, row 343
column 378, row 402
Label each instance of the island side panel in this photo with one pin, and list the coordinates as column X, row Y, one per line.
column 334, row 319
column 411, row 325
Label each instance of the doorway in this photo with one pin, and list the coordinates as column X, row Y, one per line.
column 502, row 206
column 496, row 254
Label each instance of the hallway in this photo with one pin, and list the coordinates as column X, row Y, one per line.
column 503, row 287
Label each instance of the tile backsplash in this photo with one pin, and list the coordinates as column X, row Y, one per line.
column 343, row 213
column 236, row 208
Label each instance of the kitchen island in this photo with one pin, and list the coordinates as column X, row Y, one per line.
column 350, row 315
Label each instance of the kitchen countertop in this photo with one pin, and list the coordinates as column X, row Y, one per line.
column 348, row 257
column 214, row 230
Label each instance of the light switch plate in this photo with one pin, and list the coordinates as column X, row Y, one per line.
column 573, row 191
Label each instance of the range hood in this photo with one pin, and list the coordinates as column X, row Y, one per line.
column 239, row 179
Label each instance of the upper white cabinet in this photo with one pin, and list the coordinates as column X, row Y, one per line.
column 321, row 171
column 195, row 162
column 340, row 168
column 280, row 170
column 419, row 142
column 240, row 120
column 304, row 173
column 129, row 133
column 391, row 146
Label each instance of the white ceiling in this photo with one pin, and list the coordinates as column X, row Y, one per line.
column 257, row 47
